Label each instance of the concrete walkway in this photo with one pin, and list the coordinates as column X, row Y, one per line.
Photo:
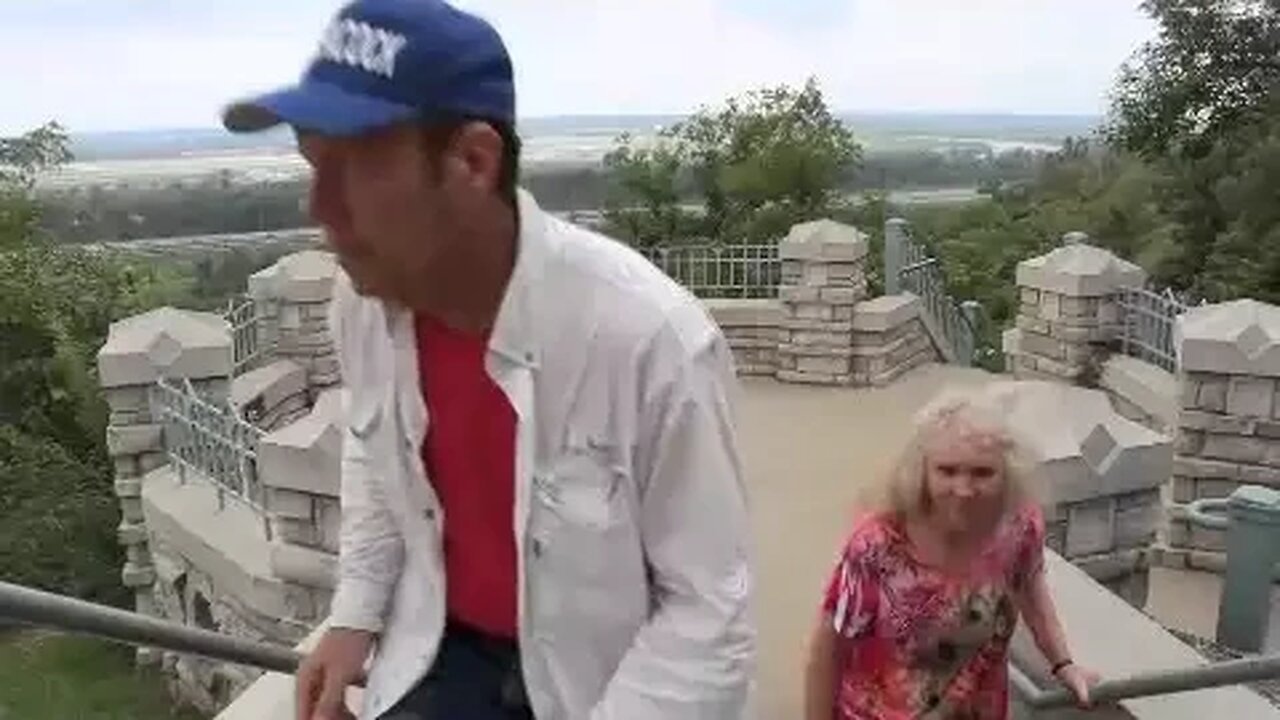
column 806, row 452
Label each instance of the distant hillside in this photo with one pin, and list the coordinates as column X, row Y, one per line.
column 874, row 128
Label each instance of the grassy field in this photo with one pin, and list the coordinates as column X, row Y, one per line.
column 52, row 677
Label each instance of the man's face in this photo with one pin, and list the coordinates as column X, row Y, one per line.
column 385, row 209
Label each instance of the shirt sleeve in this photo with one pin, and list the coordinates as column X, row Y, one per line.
column 851, row 597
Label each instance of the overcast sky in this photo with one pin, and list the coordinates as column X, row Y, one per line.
column 133, row 64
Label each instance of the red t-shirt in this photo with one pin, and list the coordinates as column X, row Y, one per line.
column 469, row 454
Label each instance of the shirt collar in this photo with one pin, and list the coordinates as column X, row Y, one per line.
column 513, row 335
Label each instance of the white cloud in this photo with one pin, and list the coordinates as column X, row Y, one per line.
column 606, row 56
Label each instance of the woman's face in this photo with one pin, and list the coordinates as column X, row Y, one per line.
column 964, row 481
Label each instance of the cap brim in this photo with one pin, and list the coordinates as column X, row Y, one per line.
column 318, row 107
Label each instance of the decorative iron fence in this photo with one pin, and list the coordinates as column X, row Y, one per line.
column 1146, row 325
column 909, row 267
column 246, row 339
column 721, row 271
column 210, row 440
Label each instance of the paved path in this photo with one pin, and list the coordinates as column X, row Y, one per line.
column 806, row 451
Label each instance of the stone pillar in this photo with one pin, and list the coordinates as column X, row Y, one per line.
column 1068, row 313
column 823, row 277
column 1101, row 475
column 293, row 301
column 1229, row 423
column 300, row 467
column 161, row 343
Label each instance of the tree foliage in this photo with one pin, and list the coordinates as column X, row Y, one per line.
column 58, row 514
column 1211, row 70
column 753, row 168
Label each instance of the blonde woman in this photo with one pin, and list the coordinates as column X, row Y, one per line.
column 949, row 553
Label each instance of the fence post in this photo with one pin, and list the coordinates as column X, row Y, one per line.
column 823, row 278
column 296, row 292
column 1253, row 546
column 895, row 254
column 1068, row 311
column 1228, row 431
column 164, row 342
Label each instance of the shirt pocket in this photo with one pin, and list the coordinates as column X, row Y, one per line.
column 581, row 517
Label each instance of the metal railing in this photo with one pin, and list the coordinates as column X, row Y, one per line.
column 246, row 337
column 27, row 606
column 1147, row 318
column 721, row 271
column 1165, row 682
column 209, row 440
column 48, row 610
column 908, row 267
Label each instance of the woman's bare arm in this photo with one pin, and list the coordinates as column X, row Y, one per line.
column 1041, row 616
column 820, row 671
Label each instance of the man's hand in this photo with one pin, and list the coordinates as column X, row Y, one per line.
column 335, row 664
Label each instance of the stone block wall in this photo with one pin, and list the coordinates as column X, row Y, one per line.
column 301, row 470
column 292, row 298
column 889, row 339
column 1228, row 427
column 1101, row 476
column 273, row 395
column 1067, row 313
column 823, row 279
column 751, row 328
column 139, row 350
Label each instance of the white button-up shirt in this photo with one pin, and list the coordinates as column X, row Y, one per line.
column 630, row 520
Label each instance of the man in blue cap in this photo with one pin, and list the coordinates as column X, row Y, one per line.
column 543, row 507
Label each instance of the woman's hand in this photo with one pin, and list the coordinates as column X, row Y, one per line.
column 1078, row 681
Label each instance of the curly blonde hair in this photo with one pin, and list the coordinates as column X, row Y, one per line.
column 981, row 412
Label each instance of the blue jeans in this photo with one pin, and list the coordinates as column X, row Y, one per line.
column 475, row 677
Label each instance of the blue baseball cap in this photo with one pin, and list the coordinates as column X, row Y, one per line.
column 381, row 62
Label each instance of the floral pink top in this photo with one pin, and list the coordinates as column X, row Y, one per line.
column 916, row 642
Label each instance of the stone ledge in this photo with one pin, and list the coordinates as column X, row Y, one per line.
column 1152, row 388
column 227, row 545
column 304, row 566
column 272, row 383
column 885, row 312
column 729, row 313
column 1117, row 640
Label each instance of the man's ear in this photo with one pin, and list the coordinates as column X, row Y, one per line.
column 477, row 155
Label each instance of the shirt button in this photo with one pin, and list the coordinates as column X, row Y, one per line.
column 537, row 548
column 429, row 514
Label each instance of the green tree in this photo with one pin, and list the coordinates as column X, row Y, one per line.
column 58, row 515
column 752, row 168
column 1211, row 69
column 1199, row 103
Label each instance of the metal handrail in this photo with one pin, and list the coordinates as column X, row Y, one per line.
column 43, row 609
column 1163, row 682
